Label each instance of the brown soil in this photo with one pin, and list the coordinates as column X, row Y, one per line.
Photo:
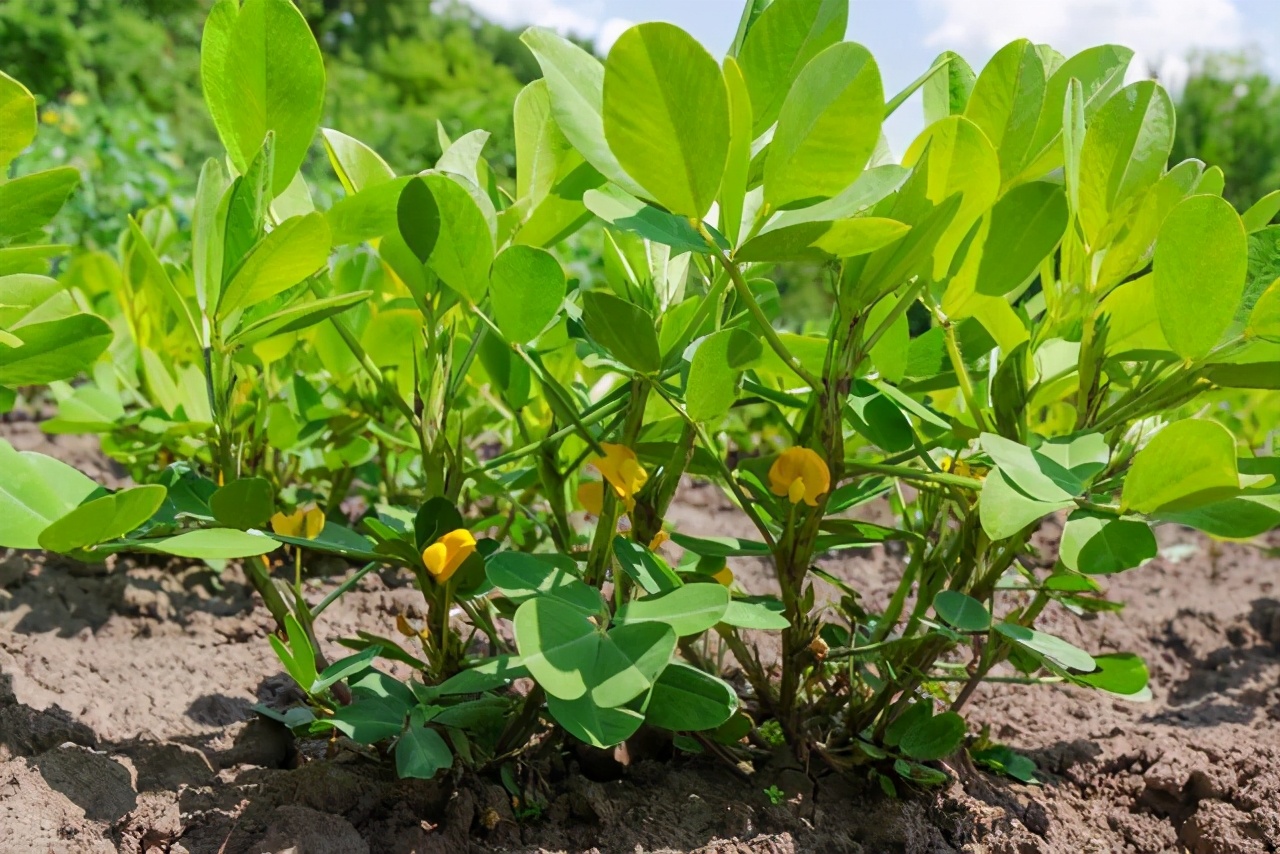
column 125, row 725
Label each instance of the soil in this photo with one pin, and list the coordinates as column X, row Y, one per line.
column 126, row 725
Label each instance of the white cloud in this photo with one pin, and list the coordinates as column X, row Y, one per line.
column 1157, row 29
column 584, row 18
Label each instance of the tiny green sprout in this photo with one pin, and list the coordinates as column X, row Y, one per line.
column 775, row 795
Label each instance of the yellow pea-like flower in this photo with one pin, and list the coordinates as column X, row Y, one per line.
column 591, row 496
column 622, row 470
column 443, row 557
column 305, row 523
column 724, row 576
column 800, row 475
column 658, row 539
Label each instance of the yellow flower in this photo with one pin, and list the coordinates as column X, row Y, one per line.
column 800, row 474
column 724, row 576
column 962, row 468
column 50, row 117
column 304, row 523
column 445, row 555
column 78, row 99
column 591, row 496
column 658, row 539
column 623, row 471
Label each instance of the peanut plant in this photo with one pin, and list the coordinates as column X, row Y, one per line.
column 1032, row 316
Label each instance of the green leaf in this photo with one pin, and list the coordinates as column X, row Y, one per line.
column 827, row 128
column 32, row 201
column 1033, row 473
column 40, row 353
column 946, row 93
column 245, row 503
column 654, row 72
column 421, row 753
column 344, row 668
column 575, row 80
column 622, row 210
column 1118, row 672
column 1005, row 510
column 1006, row 102
column 1264, row 320
column 644, row 567
column 262, row 73
column 1027, row 223
column 623, row 329
column 88, row 409
column 296, row 249
column 213, row 544
column 370, row 720
column 721, row 546
column 102, row 519
column 461, row 251
column 1124, row 152
column 528, row 288
column 1236, row 518
column 357, row 166
column 685, row 699
column 962, row 611
column 756, row 612
column 485, row 676
column 208, row 234
column 337, row 540
column 570, row 657
column 689, row 610
column 367, row 215
column 17, row 120
column 781, row 42
column 1200, row 263
column 1260, row 214
column 822, row 241
column 596, row 726
column 715, row 371
column 1054, row 649
column 297, row 317
column 935, row 737
column 521, row 576
column 1097, row 544
column 35, row 491
column 737, row 168
column 1189, row 463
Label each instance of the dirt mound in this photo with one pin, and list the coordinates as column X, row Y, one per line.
column 126, row 724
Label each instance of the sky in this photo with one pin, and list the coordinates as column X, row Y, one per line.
column 905, row 35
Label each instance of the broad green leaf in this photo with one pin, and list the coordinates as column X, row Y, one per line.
column 1189, row 463
column 624, row 329
column 1118, row 672
column 1260, row 214
column 40, row 353
column 208, row 234
column 1241, row 517
column 522, row 576
column 421, row 754
column 368, row 214
column 17, row 119
column 1199, row 270
column 689, row 610
column 644, row 567
column 1264, row 320
column 715, row 371
column 575, row 80
column 686, row 699
column 962, row 611
column 878, row 417
column 86, row 409
column 622, row 210
column 455, row 240
column 780, row 43
column 1096, row 544
column 654, row 73
column 1005, row 510
column 486, row 676
column 245, row 503
column 758, row 612
column 1006, row 102
column 296, row 249
column 720, row 546
column 102, row 519
column 733, row 186
column 296, row 317
column 933, row 738
column 946, row 93
column 35, row 491
column 541, row 147
column 214, row 544
column 464, row 156
column 1035, row 474
column 371, row 719
column 262, row 73
column 344, row 668
column 822, row 241
column 1124, row 152
column 1027, row 223
column 31, row 202
column 827, row 128
column 1083, row 455
column 596, row 726
column 357, row 166
column 528, row 288
column 1054, row 649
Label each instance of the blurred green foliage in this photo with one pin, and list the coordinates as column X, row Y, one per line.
column 119, row 89
column 1229, row 115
